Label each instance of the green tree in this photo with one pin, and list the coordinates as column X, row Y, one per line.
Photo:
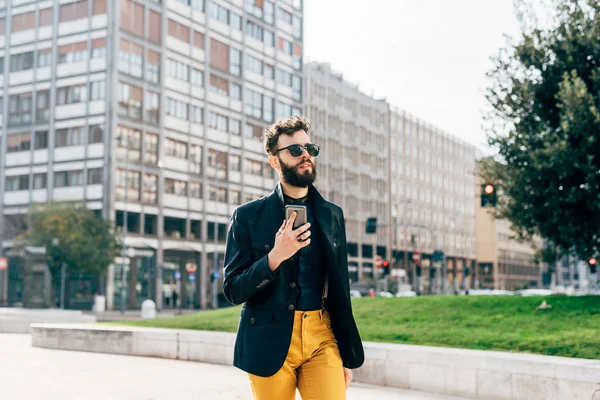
column 86, row 242
column 544, row 124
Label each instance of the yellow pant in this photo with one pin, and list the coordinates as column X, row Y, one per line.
column 313, row 364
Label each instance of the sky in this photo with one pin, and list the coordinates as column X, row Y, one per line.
column 427, row 57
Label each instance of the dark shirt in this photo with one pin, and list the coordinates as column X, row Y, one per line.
column 310, row 269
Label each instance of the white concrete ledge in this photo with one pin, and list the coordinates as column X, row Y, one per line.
column 468, row 373
column 19, row 320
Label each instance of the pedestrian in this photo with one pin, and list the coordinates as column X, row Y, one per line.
column 296, row 327
column 371, row 292
column 167, row 293
column 175, row 295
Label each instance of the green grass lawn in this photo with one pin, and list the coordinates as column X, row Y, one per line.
column 571, row 328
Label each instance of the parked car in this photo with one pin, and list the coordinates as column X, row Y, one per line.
column 535, row 292
column 355, row 293
column 488, row 292
column 385, row 294
column 406, row 293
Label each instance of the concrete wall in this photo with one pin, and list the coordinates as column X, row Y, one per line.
column 469, row 373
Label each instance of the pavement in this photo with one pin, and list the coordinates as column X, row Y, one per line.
column 129, row 315
column 30, row 373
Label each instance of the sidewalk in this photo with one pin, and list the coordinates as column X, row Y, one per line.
column 35, row 373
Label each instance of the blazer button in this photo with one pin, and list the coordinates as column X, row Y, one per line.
column 252, row 320
column 266, row 246
column 291, row 307
column 293, row 285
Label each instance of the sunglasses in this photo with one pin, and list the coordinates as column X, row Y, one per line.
column 297, row 149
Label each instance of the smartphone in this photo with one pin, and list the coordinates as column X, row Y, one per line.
column 300, row 218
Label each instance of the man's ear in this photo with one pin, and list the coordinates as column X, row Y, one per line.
column 274, row 161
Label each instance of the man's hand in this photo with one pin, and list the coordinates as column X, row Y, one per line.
column 347, row 377
column 288, row 242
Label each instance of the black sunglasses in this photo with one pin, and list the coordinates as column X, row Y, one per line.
column 297, row 149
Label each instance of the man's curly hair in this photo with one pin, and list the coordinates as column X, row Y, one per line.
column 288, row 127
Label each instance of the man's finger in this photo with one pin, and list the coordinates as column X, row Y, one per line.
column 290, row 222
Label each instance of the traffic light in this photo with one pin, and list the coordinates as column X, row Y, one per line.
column 593, row 263
column 489, row 195
column 371, row 225
column 386, row 267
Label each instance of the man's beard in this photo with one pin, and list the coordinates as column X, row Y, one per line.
column 292, row 177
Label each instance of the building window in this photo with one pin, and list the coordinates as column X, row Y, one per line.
column 94, row 176
column 253, row 132
column 23, row 22
column 254, row 7
column 18, row 182
column 235, row 126
column 41, row 140
column 297, row 57
column 196, row 159
column 196, row 190
column 284, row 77
column 70, row 94
column 130, row 100
column 255, row 31
column 235, row 163
column 284, row 16
column 197, row 77
column 269, row 38
column 173, row 186
column 269, row 12
column 150, row 188
column 19, row 111
column 129, row 143
column 152, row 107
column 40, row 181
column 18, row 142
column 46, row 17
column 42, row 113
column 218, row 85
column 2, row 25
column 269, row 72
column 97, row 91
column 218, row 194
column 217, row 121
column 96, row 134
column 235, row 62
column 235, row 91
column 132, row 17
column 153, row 67
column 178, row 70
column 296, row 88
column 154, row 31
column 177, row 109
column 268, row 108
column 235, row 197
column 198, row 5
column 69, row 137
column 196, row 116
column 131, row 58
column 68, row 178
column 132, row 182
column 235, row 20
column 71, row 53
column 297, row 27
column 253, row 167
column 253, row 64
column 199, row 40
column 282, row 110
column 219, row 55
column 219, row 13
column 253, row 103
column 179, row 31
column 175, row 148
column 217, row 164
column 73, row 11
column 151, row 148
column 99, row 48
column 21, row 62
column 99, row 7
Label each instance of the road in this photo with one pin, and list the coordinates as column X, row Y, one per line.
column 28, row 373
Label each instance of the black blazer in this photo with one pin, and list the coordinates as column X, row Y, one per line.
column 267, row 317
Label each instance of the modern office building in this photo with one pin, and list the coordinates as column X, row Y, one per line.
column 352, row 129
column 503, row 263
column 432, row 201
column 151, row 112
